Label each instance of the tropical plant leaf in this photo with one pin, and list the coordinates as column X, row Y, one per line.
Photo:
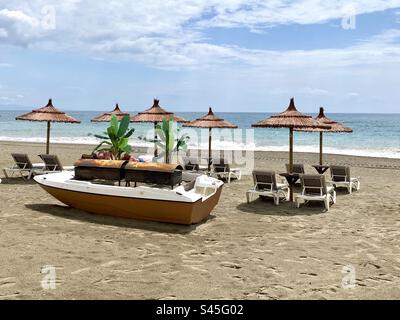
column 100, row 136
column 123, row 126
column 129, row 133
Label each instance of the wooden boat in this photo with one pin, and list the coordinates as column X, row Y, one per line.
column 160, row 192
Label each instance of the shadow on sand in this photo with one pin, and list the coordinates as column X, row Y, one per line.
column 268, row 208
column 17, row 181
column 69, row 213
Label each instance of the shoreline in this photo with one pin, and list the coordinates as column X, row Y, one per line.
column 380, row 162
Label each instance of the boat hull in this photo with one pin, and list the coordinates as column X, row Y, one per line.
column 137, row 208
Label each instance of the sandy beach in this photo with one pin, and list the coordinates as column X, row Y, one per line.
column 244, row 251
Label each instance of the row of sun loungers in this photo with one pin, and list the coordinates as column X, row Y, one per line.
column 313, row 187
column 26, row 169
column 219, row 168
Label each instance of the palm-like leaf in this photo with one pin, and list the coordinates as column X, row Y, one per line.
column 116, row 138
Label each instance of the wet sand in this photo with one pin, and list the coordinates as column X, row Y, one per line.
column 244, row 251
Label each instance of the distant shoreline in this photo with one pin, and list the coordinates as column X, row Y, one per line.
column 379, row 162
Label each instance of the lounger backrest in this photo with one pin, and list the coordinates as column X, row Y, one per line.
column 22, row 160
column 219, row 165
column 264, row 180
column 297, row 168
column 51, row 162
column 340, row 173
column 190, row 163
column 314, row 184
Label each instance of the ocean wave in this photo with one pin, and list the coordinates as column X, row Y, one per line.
column 391, row 153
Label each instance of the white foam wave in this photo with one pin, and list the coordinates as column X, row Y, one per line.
column 226, row 145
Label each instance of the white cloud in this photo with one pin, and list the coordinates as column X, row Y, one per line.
column 169, row 33
column 5, row 65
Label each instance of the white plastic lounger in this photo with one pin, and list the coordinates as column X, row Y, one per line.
column 53, row 164
column 23, row 165
column 341, row 178
column 315, row 188
column 222, row 170
column 265, row 185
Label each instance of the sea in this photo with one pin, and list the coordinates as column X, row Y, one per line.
column 375, row 135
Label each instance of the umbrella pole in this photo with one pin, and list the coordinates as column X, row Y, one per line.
column 48, row 138
column 209, row 149
column 291, row 159
column 155, row 139
column 321, row 141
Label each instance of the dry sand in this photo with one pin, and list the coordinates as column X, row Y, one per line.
column 255, row 251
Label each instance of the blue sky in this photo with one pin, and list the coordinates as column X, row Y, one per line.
column 232, row 55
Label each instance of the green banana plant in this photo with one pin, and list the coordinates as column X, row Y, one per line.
column 116, row 139
column 166, row 139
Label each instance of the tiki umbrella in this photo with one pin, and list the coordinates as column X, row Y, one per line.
column 155, row 114
column 48, row 114
column 210, row 120
column 336, row 127
column 106, row 117
column 292, row 119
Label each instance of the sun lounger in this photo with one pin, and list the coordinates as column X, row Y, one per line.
column 53, row 164
column 315, row 188
column 190, row 164
column 265, row 185
column 341, row 178
column 223, row 170
column 23, row 165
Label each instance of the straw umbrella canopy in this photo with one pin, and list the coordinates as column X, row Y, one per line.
column 48, row 114
column 155, row 114
column 106, row 117
column 210, row 120
column 335, row 127
column 291, row 118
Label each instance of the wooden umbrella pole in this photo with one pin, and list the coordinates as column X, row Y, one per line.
column 291, row 159
column 321, row 147
column 209, row 149
column 291, row 150
column 155, row 139
column 48, row 138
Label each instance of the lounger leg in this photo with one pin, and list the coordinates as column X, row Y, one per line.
column 297, row 203
column 327, row 200
column 248, row 197
column 229, row 177
column 5, row 173
column 276, row 200
column 350, row 188
column 334, row 197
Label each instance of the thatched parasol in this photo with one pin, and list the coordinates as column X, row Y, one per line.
column 48, row 114
column 155, row 114
column 210, row 120
column 292, row 119
column 106, row 117
column 336, row 127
